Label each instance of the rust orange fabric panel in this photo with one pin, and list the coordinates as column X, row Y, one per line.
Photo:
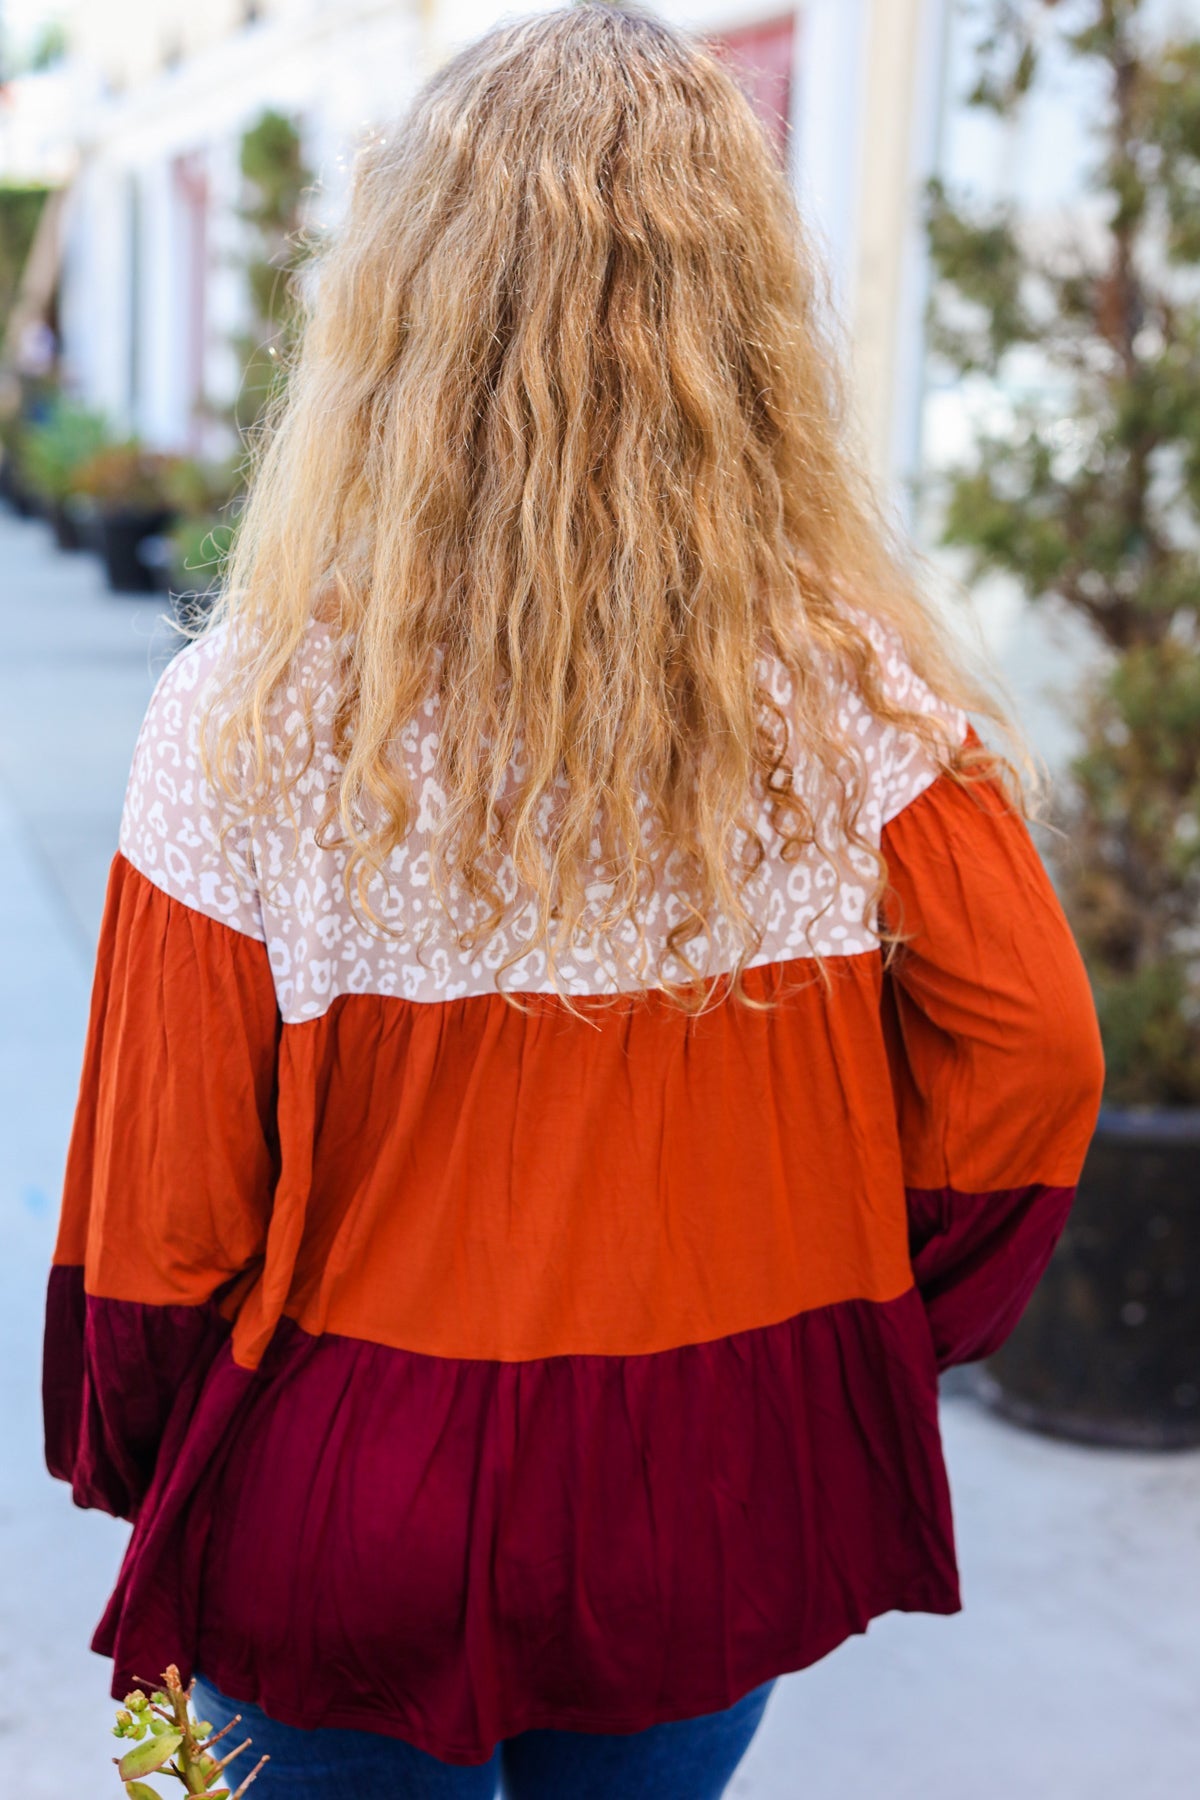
column 470, row 1180
column 992, row 1026
column 170, row 1168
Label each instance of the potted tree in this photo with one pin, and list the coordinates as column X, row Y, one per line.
column 53, row 450
column 1088, row 493
column 206, row 497
column 13, row 488
column 129, row 487
column 275, row 182
column 207, row 494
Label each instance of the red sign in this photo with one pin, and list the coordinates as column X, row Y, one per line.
column 762, row 57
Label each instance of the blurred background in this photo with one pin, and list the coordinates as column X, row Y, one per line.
column 1007, row 196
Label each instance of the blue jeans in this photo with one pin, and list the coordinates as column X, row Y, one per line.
column 684, row 1759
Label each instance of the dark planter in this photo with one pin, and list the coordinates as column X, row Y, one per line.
column 122, row 533
column 88, row 524
column 64, row 523
column 1108, row 1349
column 18, row 496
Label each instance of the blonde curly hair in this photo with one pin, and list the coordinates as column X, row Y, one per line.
column 565, row 440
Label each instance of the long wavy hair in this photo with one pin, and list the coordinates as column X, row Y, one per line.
column 565, row 441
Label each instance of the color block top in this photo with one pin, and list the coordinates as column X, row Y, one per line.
column 467, row 1367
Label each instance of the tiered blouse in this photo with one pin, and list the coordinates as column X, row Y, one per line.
column 466, row 1367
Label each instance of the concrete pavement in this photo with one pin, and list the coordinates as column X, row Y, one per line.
column 1074, row 1670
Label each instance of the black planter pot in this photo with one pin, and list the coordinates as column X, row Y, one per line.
column 65, row 526
column 88, row 524
column 1108, row 1349
column 121, row 536
column 19, row 497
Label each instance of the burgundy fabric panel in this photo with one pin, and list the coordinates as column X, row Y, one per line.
column 62, row 1371
column 452, row 1551
column 113, row 1373
column 977, row 1259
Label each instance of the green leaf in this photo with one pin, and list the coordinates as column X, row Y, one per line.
column 138, row 1790
column 151, row 1755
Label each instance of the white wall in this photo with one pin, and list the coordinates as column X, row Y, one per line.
column 337, row 68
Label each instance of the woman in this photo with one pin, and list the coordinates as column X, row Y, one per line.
column 582, row 1035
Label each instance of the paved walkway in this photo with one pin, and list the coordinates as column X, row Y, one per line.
column 1073, row 1672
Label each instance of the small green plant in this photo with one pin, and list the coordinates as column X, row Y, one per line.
column 57, row 447
column 166, row 1740
column 20, row 210
column 207, row 498
column 198, row 488
column 126, row 478
column 276, row 180
column 199, row 556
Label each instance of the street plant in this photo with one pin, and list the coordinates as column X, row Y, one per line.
column 127, row 478
column 167, row 1740
column 21, row 205
column 56, row 447
column 275, row 182
column 1087, row 489
column 206, row 497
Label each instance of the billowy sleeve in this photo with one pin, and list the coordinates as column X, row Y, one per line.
column 170, row 1168
column 995, row 1051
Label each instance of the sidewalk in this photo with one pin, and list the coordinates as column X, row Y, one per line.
column 1074, row 1670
